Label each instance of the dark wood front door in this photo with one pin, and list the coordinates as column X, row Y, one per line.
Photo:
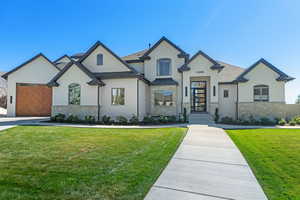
column 198, row 95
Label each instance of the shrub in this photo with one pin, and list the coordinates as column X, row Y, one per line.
column 297, row 120
column 266, row 121
column 292, row 123
column 172, row 119
column 106, row 119
column 253, row 121
column 282, row 122
column 89, row 119
column 122, row 120
column 147, row 120
column 163, row 119
column 134, row 120
column 59, row 117
column 227, row 120
column 217, row 116
column 73, row 119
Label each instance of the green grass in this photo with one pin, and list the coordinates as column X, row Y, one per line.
column 274, row 156
column 39, row 162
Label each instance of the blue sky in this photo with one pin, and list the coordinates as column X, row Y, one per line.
column 237, row 32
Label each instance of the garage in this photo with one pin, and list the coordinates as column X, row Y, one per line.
column 33, row 100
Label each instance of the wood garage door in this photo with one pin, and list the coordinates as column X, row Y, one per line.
column 33, row 100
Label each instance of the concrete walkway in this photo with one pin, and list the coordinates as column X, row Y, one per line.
column 206, row 166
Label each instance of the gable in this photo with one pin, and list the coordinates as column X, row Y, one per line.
column 168, row 46
column 74, row 74
column 93, row 79
column 111, row 62
column 38, row 63
column 62, row 61
column 38, row 70
column 261, row 72
column 281, row 76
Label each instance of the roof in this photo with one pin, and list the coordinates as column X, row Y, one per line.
column 164, row 81
column 97, row 44
column 55, row 61
column 29, row 61
column 229, row 73
column 282, row 76
column 94, row 81
column 112, row 75
column 77, row 55
column 216, row 65
column 135, row 56
column 182, row 53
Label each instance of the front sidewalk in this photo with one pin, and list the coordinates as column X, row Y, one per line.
column 207, row 165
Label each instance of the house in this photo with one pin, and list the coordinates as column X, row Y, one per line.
column 161, row 80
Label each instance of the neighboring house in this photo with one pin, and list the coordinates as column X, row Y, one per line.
column 161, row 80
column 3, row 88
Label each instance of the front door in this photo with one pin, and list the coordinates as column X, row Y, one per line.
column 198, row 95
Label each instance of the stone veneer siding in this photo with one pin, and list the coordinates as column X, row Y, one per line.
column 268, row 109
column 164, row 110
column 79, row 111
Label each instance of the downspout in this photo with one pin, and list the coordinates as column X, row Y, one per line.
column 98, row 102
column 137, row 99
column 237, row 101
column 181, row 92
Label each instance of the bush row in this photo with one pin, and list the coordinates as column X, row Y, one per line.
column 120, row 120
column 292, row 122
column 250, row 121
column 262, row 121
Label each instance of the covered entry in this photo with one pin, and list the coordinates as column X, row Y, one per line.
column 33, row 99
column 198, row 96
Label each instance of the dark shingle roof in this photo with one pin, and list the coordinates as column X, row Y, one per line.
column 164, row 81
column 135, row 56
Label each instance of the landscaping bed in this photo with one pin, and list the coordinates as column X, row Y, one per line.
column 274, row 156
column 41, row 162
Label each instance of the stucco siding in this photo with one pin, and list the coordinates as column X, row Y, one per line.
column 110, row 63
column 74, row 75
column 227, row 106
column 200, row 67
column 262, row 75
column 139, row 67
column 38, row 71
column 143, row 99
column 130, row 107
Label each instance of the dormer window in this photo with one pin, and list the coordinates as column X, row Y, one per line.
column 164, row 67
column 100, row 59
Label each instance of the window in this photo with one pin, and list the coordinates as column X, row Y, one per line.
column 163, row 98
column 226, row 93
column 261, row 93
column 10, row 99
column 74, row 94
column 100, row 59
column 164, row 67
column 186, row 91
column 214, row 91
column 118, row 96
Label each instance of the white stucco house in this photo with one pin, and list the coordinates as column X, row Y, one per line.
column 160, row 80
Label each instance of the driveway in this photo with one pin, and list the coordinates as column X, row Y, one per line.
column 9, row 122
column 209, row 166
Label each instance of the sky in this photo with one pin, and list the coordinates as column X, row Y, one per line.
column 238, row 32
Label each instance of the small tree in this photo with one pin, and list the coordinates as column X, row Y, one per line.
column 298, row 100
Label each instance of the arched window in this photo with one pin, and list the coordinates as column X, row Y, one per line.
column 74, row 94
column 164, row 67
column 261, row 93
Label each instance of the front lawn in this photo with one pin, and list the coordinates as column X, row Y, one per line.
column 274, row 156
column 39, row 162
